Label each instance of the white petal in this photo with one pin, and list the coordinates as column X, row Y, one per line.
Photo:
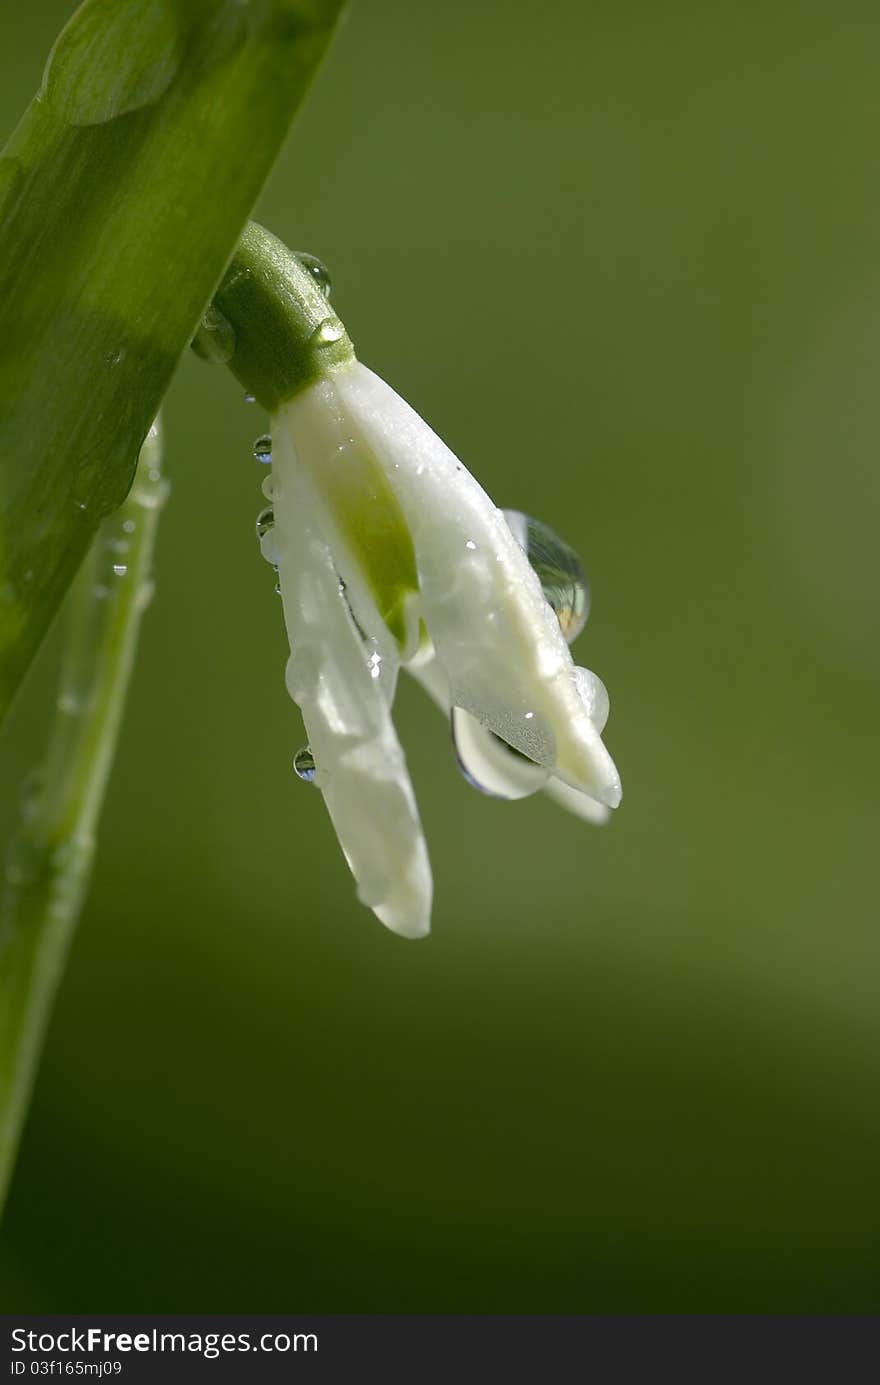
column 496, row 636
column 344, row 687
column 578, row 803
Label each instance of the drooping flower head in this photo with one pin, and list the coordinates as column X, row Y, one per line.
column 389, row 555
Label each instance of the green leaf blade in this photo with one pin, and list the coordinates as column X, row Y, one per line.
column 122, row 195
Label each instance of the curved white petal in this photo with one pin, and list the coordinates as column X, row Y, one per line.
column 574, row 801
column 498, row 639
column 343, row 686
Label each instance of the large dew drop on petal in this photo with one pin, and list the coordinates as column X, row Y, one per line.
column 490, row 765
column 558, row 569
column 594, row 695
column 520, row 776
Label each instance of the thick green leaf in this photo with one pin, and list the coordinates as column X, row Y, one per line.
column 122, row 194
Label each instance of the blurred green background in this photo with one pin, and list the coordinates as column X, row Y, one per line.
column 626, row 259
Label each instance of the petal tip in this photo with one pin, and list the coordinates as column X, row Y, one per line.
column 611, row 794
column 408, row 926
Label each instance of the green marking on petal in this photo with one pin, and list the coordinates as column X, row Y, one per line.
column 372, row 527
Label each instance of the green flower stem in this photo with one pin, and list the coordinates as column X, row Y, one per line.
column 276, row 328
column 49, row 859
column 271, row 323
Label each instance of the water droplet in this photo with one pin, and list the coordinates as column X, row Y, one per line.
column 250, row 398
column 268, row 487
column 328, row 333
column 277, row 588
column 319, row 271
column 263, row 449
column 267, row 537
column 120, row 569
column 559, row 570
column 304, row 764
column 491, row 765
column 594, row 695
column 146, row 42
column 470, row 544
column 374, row 664
column 214, row 340
column 129, row 526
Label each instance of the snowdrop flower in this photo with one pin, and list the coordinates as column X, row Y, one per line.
column 390, row 554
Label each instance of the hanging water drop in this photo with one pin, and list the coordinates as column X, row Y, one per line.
column 120, row 569
column 304, row 764
column 250, row 398
column 265, row 521
column 594, row 695
column 263, row 449
column 491, row 765
column 141, row 50
column 214, row 340
column 318, row 271
column 558, row 568
column 327, row 333
column 267, row 537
